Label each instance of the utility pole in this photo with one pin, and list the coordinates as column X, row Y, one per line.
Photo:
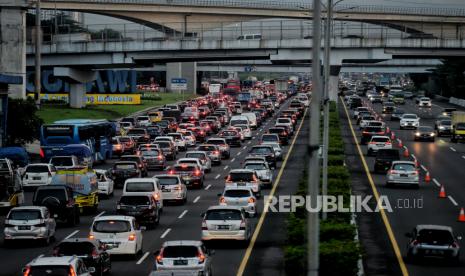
column 313, row 224
column 327, row 71
column 38, row 61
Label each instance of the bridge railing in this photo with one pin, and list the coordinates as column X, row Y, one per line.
column 251, row 30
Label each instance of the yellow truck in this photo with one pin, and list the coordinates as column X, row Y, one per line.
column 458, row 126
column 155, row 116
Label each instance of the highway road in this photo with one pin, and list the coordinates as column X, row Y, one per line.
column 184, row 222
column 445, row 162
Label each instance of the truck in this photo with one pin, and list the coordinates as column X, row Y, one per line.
column 458, row 126
column 214, row 89
column 11, row 189
column 83, row 182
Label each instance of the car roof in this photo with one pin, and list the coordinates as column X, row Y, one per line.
column 403, row 162
column 113, row 217
column 227, row 188
column 433, row 227
column 189, row 159
column 43, row 208
column 63, row 260
column 241, row 171
column 220, row 207
column 141, row 179
column 195, row 151
column 182, row 242
column 38, row 164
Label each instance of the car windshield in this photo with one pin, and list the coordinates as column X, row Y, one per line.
column 163, row 145
column 195, row 155
column 139, row 187
column 380, row 139
column 216, row 142
column 150, row 153
column 283, row 121
column 134, row 200
column 229, row 133
column 130, row 158
column 61, row 161
column 75, row 248
column 206, row 148
column 256, row 166
column 124, row 139
column 37, row 169
column 180, row 251
column 241, row 176
column 236, row 193
column 261, row 150
column 49, row 270
column 270, row 138
column 388, row 104
column 223, row 215
column 143, row 118
column 136, row 131
column 460, row 126
column 446, row 123
column 24, row 215
column 425, row 99
column 125, row 166
column 404, row 167
column 434, row 236
column 45, row 193
column 167, row 180
column 184, row 168
column 111, row 226
column 399, row 111
column 377, row 124
column 410, row 116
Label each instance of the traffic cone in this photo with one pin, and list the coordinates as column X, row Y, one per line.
column 416, row 163
column 393, row 135
column 461, row 215
column 406, row 153
column 400, row 143
column 388, row 130
column 442, row 192
column 427, row 177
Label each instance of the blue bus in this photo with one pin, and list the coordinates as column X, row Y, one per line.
column 96, row 134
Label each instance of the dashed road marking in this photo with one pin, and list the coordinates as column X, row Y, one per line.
column 196, row 199
column 436, row 182
column 463, row 156
column 452, row 149
column 208, row 187
column 423, row 168
column 452, row 200
column 100, row 214
column 244, row 147
column 182, row 214
column 239, row 153
column 226, row 167
column 165, row 233
column 248, row 143
column 72, row 234
column 217, row 176
column 143, row 258
column 234, row 159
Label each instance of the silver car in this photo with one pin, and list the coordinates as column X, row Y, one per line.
column 226, row 223
column 278, row 151
column 244, row 178
column 403, row 172
column 29, row 223
column 172, row 188
column 205, row 161
column 433, row 240
column 242, row 197
column 184, row 255
column 262, row 170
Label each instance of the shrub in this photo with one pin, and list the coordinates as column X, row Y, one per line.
column 330, row 229
column 338, row 172
column 339, row 258
column 295, row 259
column 335, row 160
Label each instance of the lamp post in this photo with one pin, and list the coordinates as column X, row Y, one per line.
column 38, row 44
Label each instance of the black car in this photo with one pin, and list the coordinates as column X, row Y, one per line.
column 282, row 134
column 266, row 151
column 124, row 170
column 355, row 102
column 232, row 137
column 60, row 202
column 141, row 164
column 91, row 251
column 143, row 207
column 155, row 131
column 140, row 135
column 396, row 114
column 424, row 133
column 384, row 159
column 154, row 159
column 388, row 107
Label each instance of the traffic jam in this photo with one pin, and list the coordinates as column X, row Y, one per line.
column 171, row 189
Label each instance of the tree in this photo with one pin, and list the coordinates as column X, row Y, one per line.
column 450, row 77
column 23, row 124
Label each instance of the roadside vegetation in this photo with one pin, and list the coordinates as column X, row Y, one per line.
column 339, row 252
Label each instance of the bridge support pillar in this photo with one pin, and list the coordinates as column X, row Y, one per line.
column 13, row 44
column 334, row 82
column 77, row 80
column 185, row 70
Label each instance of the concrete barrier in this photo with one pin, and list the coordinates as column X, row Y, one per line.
column 457, row 101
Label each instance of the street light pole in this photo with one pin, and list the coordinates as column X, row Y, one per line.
column 313, row 224
column 38, row 44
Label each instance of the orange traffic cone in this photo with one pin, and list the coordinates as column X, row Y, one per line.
column 416, row 163
column 442, row 192
column 461, row 215
column 400, row 143
column 427, row 177
column 393, row 135
column 406, row 153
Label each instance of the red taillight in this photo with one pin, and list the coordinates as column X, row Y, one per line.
column 365, row 132
column 251, row 200
column 159, row 258
column 132, row 237
column 197, row 173
column 91, row 237
column 201, row 257
column 94, row 253
column 42, row 155
column 372, row 143
column 216, row 152
column 204, row 225
column 222, row 199
column 171, row 172
column 390, row 171
column 27, row 270
column 242, row 227
column 160, row 157
column 72, row 272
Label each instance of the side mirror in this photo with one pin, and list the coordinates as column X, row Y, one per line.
column 91, row 269
column 408, row 235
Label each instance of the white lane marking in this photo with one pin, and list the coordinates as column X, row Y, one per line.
column 436, row 182
column 452, row 200
column 182, row 214
column 165, row 233
column 234, row 159
column 452, row 149
column 248, row 143
column 217, row 176
column 405, row 147
column 413, row 156
column 100, row 214
column 244, row 147
column 226, row 167
column 72, row 234
column 143, row 258
column 208, row 187
column 196, row 199
column 423, row 168
column 239, row 153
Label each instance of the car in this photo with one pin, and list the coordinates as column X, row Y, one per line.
column 427, row 240
column 239, row 196
column 66, row 265
column 262, row 170
column 168, row 149
column 278, row 151
column 409, row 120
column 106, row 184
column 439, row 118
column 123, row 170
column 266, row 151
column 172, row 188
column 358, row 110
column 376, row 99
column 29, row 223
column 425, row 102
column 355, row 102
column 143, row 121
column 384, row 159
column 189, row 137
column 193, row 161
column 140, row 135
column 92, row 252
column 371, row 131
column 397, row 114
column 270, row 138
column 202, row 156
column 184, row 256
column 398, row 98
column 424, row 133
column 179, row 140
column 222, row 145
column 155, row 131
column 282, row 134
column 448, row 111
column 246, row 131
column 64, row 162
column 141, row 164
column 118, row 146
column 144, row 186
column 143, row 207
column 244, row 178
column 121, row 235
column 365, row 119
column 38, row 174
column 388, row 107
column 191, row 175
column 129, row 144
column 403, row 172
column 444, row 127
column 226, row 223
column 408, row 95
column 213, row 152
column 59, row 200
column 378, row 142
column 232, row 137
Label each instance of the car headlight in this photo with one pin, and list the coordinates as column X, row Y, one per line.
column 417, row 133
column 441, row 127
column 431, row 134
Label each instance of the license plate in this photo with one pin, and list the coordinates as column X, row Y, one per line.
column 36, row 178
column 223, row 227
column 403, row 175
column 180, row 262
column 111, row 245
column 166, row 190
column 241, row 184
column 24, row 227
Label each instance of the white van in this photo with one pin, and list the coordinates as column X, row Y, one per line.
column 144, row 186
column 252, row 119
column 239, row 120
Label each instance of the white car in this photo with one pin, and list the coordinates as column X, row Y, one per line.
column 304, row 100
column 106, row 185
column 366, row 120
column 241, row 197
column 226, row 223
column 144, row 186
column 143, row 121
column 167, row 139
column 409, row 120
column 189, row 137
column 29, row 223
column 172, row 188
column 205, row 161
column 179, row 140
column 244, row 178
column 38, row 174
column 66, row 265
column 64, row 162
column 246, row 131
column 191, row 161
column 358, row 110
column 403, row 172
column 378, row 142
column 278, row 151
column 285, row 121
column 425, row 102
column 252, row 119
column 120, row 234
column 263, row 171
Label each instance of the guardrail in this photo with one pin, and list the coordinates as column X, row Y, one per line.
column 457, row 101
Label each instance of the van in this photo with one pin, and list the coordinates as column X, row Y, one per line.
column 252, row 119
column 239, row 120
column 250, row 37
column 144, row 186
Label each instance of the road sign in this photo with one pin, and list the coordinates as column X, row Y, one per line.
column 178, row 84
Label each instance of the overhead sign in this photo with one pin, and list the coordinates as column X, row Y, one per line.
column 178, row 84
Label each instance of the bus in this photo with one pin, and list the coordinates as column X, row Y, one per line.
column 96, row 134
